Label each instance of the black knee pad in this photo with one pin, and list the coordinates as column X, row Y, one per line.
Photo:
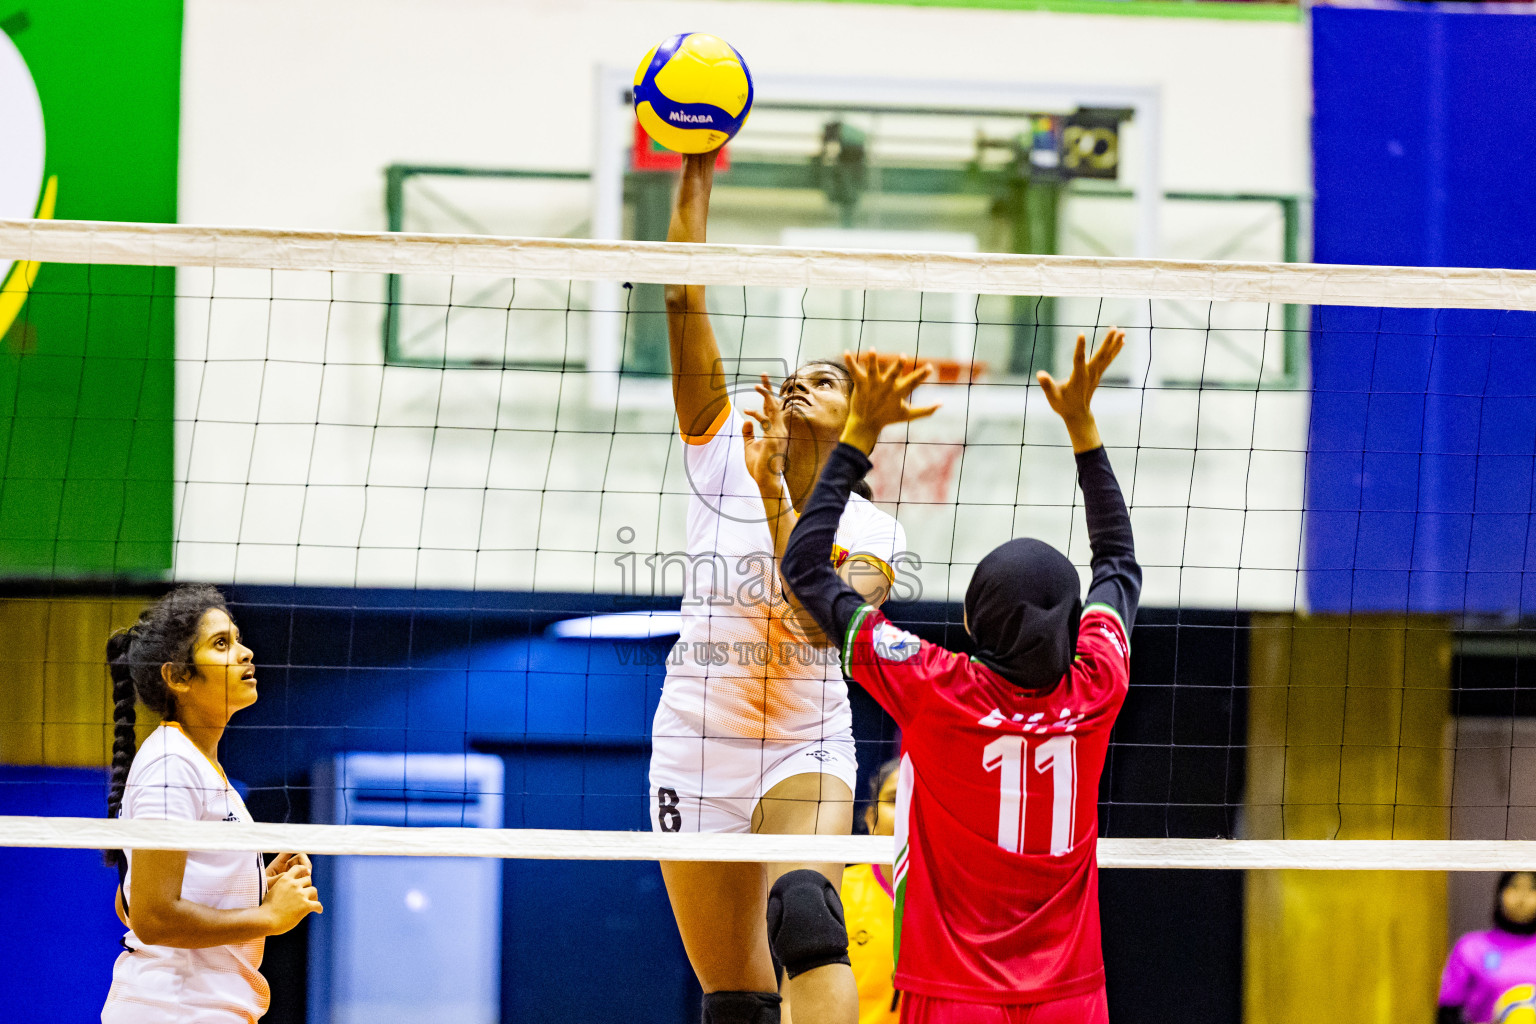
column 805, row 922
column 741, row 1007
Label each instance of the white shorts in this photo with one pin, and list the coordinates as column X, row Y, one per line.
column 713, row 784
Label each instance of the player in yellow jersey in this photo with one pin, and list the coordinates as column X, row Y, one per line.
column 870, row 911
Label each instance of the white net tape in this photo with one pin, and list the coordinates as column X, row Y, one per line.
column 564, row 844
column 180, row 245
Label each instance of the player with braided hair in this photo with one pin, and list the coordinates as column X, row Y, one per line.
column 197, row 920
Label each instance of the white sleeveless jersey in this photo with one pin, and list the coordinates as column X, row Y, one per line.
column 171, row 780
column 740, row 669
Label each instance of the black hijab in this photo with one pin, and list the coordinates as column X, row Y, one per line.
column 1022, row 608
column 1503, row 923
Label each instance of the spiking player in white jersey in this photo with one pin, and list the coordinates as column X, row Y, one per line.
column 753, row 732
column 197, row 920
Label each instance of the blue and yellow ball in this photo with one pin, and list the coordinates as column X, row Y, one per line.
column 693, row 92
column 1516, row 1006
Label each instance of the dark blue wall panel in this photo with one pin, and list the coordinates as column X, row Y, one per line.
column 60, row 936
column 455, row 672
column 1423, row 437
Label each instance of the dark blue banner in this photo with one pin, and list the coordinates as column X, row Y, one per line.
column 1423, row 439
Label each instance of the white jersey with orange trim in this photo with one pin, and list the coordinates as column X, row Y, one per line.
column 171, row 780
column 740, row 669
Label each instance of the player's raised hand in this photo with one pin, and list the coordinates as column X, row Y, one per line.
column 765, row 437
column 1072, row 399
column 881, row 396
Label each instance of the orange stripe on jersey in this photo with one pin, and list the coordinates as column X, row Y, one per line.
column 890, row 574
column 710, row 431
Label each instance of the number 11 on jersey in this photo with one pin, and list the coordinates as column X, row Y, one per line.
column 1010, row 757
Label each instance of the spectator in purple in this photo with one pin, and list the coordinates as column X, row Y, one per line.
column 1485, row 965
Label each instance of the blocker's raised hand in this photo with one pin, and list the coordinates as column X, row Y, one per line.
column 880, row 396
column 1072, row 399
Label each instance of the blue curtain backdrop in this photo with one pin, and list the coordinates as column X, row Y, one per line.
column 1423, row 438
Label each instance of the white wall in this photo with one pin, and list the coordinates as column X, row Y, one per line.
column 292, row 108
column 304, row 459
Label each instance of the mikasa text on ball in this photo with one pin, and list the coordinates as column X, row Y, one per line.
column 693, row 92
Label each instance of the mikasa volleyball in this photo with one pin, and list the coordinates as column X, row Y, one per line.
column 693, row 92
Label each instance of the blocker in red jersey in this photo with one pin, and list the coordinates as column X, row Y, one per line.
column 996, row 878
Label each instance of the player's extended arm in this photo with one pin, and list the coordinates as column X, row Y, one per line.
column 879, row 398
column 807, row 559
column 1116, row 573
column 857, row 572
column 698, row 380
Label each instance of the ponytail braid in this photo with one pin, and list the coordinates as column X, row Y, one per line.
column 124, row 718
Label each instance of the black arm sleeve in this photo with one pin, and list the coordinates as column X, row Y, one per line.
column 807, row 563
column 1449, row 1015
column 1116, row 574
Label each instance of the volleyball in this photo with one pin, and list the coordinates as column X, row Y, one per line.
column 693, row 92
column 1516, row 1006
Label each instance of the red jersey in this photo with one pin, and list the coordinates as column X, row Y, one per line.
column 997, row 885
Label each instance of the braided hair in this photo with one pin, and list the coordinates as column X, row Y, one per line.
column 166, row 633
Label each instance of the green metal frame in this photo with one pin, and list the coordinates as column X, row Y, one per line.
column 1294, row 322
column 395, row 176
column 1032, row 207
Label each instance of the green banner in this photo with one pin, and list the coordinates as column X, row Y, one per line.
column 90, row 95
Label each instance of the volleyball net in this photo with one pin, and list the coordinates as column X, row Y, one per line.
column 439, row 478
